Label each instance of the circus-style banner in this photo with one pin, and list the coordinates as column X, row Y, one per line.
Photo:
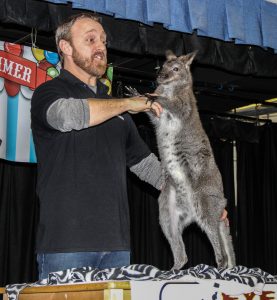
column 22, row 70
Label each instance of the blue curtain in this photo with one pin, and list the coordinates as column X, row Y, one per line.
column 252, row 22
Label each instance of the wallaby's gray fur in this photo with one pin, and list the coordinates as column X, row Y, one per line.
column 193, row 190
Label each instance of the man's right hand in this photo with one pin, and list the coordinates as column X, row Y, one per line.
column 143, row 104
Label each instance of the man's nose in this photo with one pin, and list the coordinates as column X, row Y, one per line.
column 101, row 45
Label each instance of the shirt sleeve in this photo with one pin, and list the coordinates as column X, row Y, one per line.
column 150, row 170
column 68, row 114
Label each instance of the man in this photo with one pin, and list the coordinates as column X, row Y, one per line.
column 84, row 140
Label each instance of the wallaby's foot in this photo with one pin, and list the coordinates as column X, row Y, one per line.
column 222, row 262
column 179, row 264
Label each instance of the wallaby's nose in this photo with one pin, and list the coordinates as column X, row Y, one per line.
column 162, row 75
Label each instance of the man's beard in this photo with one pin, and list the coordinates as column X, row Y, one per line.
column 92, row 66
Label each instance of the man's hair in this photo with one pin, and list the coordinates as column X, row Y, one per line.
column 63, row 31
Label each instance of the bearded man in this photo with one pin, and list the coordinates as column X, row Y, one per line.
column 84, row 140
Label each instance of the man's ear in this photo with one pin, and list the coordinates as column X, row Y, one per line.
column 65, row 47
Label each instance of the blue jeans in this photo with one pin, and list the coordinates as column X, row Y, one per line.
column 52, row 262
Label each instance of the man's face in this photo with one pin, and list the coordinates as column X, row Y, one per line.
column 88, row 42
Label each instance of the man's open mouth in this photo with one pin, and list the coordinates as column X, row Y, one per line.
column 99, row 55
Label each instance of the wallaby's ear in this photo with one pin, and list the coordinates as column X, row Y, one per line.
column 170, row 55
column 187, row 59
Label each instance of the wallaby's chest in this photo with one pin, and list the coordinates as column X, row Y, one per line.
column 169, row 143
column 175, row 148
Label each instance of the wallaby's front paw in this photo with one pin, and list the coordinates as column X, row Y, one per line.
column 151, row 98
column 132, row 92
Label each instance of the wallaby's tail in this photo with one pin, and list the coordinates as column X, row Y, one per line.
column 227, row 244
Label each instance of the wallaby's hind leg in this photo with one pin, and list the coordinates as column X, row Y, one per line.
column 172, row 225
column 179, row 252
column 211, row 228
column 176, row 243
column 227, row 244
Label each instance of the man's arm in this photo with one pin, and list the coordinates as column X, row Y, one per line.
column 68, row 114
column 104, row 109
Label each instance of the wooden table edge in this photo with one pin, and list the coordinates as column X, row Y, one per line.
column 124, row 285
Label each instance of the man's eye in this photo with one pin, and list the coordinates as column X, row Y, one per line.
column 176, row 69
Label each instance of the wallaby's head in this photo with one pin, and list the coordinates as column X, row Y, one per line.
column 176, row 69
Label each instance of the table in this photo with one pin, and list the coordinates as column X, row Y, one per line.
column 108, row 290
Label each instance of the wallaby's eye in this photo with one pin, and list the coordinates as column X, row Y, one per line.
column 176, row 69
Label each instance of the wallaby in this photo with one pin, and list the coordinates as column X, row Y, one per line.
column 193, row 190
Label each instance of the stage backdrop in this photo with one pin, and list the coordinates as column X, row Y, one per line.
column 22, row 69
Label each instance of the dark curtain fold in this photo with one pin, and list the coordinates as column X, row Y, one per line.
column 18, row 220
column 257, row 194
column 253, row 221
column 148, row 244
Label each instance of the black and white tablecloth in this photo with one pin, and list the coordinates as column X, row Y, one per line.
column 240, row 274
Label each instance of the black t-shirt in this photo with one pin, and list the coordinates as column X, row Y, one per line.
column 82, row 174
